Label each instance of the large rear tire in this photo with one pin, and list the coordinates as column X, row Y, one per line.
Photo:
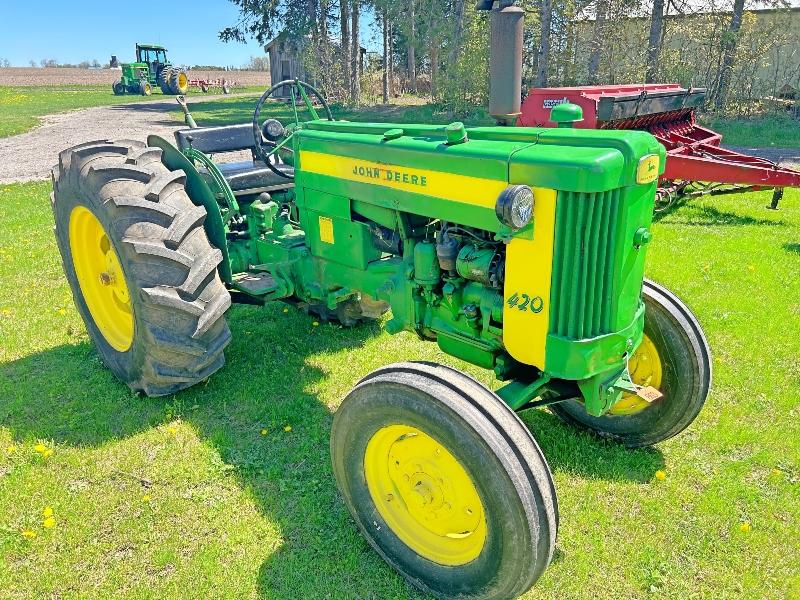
column 164, row 78
column 445, row 482
column 142, row 271
column 179, row 82
column 674, row 357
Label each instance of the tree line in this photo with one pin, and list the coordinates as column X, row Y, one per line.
column 440, row 48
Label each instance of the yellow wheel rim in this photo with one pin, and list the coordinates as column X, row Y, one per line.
column 646, row 370
column 425, row 495
column 183, row 81
column 101, row 279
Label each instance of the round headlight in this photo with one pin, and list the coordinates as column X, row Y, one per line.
column 515, row 206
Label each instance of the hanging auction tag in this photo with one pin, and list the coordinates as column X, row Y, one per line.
column 649, row 393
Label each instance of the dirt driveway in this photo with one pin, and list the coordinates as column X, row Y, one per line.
column 31, row 155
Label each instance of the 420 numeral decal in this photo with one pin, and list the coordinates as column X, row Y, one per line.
column 524, row 302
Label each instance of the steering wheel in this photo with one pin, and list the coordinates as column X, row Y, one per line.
column 273, row 137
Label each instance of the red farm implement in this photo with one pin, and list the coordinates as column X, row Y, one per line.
column 213, row 85
column 696, row 163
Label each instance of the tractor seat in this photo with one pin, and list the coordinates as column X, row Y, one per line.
column 255, row 175
column 244, row 177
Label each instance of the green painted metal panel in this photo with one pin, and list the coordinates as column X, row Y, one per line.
column 200, row 194
column 398, row 200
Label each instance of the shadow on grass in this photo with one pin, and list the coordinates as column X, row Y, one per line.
column 710, row 216
column 792, row 248
column 583, row 454
column 65, row 394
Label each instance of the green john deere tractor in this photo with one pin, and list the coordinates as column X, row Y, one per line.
column 520, row 250
column 151, row 69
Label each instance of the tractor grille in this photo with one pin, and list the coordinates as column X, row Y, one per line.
column 583, row 281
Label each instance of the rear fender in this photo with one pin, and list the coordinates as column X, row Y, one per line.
column 201, row 194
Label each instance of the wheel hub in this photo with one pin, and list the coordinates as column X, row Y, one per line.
column 101, row 278
column 646, row 370
column 425, row 495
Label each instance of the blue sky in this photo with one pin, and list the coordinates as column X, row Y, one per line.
column 88, row 29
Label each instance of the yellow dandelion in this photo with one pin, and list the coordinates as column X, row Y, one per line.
column 172, row 429
column 661, row 475
column 11, row 449
column 146, row 498
column 28, row 534
column 62, row 311
column 286, row 310
column 47, row 512
column 315, row 323
column 288, row 428
column 777, row 472
column 47, row 453
column 40, row 448
column 49, row 522
column 744, row 527
column 264, row 432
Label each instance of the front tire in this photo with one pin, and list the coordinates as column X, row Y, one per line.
column 145, row 89
column 445, row 482
column 674, row 357
column 142, row 271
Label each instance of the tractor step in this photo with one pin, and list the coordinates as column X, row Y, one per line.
column 255, row 284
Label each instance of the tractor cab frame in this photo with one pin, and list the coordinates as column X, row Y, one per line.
column 154, row 56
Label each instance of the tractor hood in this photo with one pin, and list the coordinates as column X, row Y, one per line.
column 456, row 173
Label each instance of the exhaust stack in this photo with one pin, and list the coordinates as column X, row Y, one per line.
column 505, row 61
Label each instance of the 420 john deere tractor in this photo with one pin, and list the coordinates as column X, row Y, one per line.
column 520, row 250
column 151, row 69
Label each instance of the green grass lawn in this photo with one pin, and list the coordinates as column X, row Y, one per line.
column 22, row 107
column 779, row 131
column 184, row 497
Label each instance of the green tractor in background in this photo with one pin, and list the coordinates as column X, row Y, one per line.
column 151, row 69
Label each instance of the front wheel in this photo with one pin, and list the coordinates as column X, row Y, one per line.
column 674, row 358
column 145, row 89
column 445, row 482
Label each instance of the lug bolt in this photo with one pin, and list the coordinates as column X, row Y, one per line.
column 106, row 278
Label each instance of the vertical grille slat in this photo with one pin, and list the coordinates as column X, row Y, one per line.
column 566, row 273
column 593, row 290
column 586, row 242
column 599, row 261
column 608, row 272
column 576, row 315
